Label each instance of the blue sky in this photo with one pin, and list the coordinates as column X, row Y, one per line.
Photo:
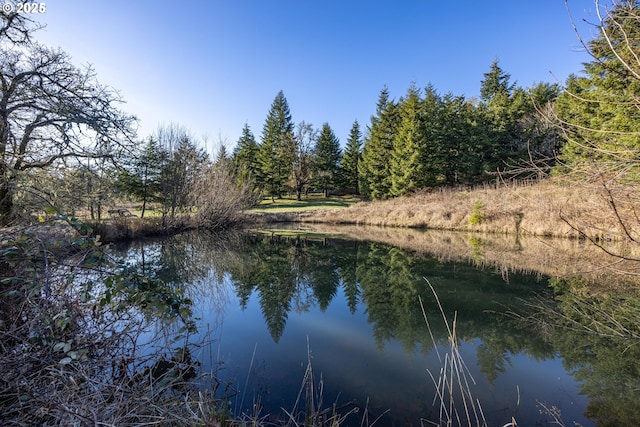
column 213, row 66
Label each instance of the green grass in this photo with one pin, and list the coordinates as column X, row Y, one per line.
column 290, row 204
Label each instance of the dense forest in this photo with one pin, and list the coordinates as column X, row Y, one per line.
column 64, row 141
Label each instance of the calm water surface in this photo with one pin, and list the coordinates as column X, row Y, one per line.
column 269, row 304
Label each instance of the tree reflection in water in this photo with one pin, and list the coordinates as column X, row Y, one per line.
column 296, row 274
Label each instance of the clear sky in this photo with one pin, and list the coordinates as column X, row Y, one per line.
column 213, row 66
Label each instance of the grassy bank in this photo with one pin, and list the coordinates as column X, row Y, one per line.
column 549, row 208
column 311, row 202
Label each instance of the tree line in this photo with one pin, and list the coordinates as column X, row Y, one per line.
column 587, row 128
column 424, row 139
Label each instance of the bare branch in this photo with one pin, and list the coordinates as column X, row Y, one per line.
column 50, row 109
column 582, row 232
column 607, row 38
column 15, row 27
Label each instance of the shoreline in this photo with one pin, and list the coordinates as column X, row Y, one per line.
column 549, row 208
column 543, row 209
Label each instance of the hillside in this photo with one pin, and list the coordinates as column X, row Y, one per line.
column 551, row 208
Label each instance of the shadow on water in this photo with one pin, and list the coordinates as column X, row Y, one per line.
column 357, row 304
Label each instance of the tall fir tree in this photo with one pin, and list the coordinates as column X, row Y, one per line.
column 432, row 128
column 459, row 154
column 496, row 91
column 275, row 156
column 222, row 161
column 142, row 179
column 350, row 162
column 376, row 153
column 496, row 83
column 326, row 159
column 223, row 155
column 245, row 157
column 407, row 163
column 598, row 110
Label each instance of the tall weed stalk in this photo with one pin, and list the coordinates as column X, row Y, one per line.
column 454, row 398
column 311, row 395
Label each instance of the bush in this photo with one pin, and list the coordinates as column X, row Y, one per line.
column 220, row 200
column 477, row 216
column 70, row 320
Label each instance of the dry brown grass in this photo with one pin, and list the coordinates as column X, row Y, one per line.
column 126, row 228
column 454, row 397
column 531, row 209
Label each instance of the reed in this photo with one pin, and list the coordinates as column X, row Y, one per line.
column 453, row 384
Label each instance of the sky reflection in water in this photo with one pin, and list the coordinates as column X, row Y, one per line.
column 377, row 351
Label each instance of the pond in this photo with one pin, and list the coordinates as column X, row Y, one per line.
column 272, row 307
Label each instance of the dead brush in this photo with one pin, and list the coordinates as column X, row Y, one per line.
column 69, row 341
column 314, row 414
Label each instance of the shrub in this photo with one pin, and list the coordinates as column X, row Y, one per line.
column 70, row 314
column 220, row 200
column 477, row 216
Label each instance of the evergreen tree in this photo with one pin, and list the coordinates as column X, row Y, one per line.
column 376, row 154
column 326, row 159
column 407, row 165
column 515, row 128
column 432, row 128
column 472, row 164
column 460, row 152
column 496, row 84
column 599, row 110
column 496, row 93
column 245, row 156
column 142, row 179
column 189, row 161
column 222, row 157
column 276, row 152
column 350, row 163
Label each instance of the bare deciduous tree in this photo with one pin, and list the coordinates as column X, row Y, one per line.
column 50, row 110
column 219, row 198
column 302, row 157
